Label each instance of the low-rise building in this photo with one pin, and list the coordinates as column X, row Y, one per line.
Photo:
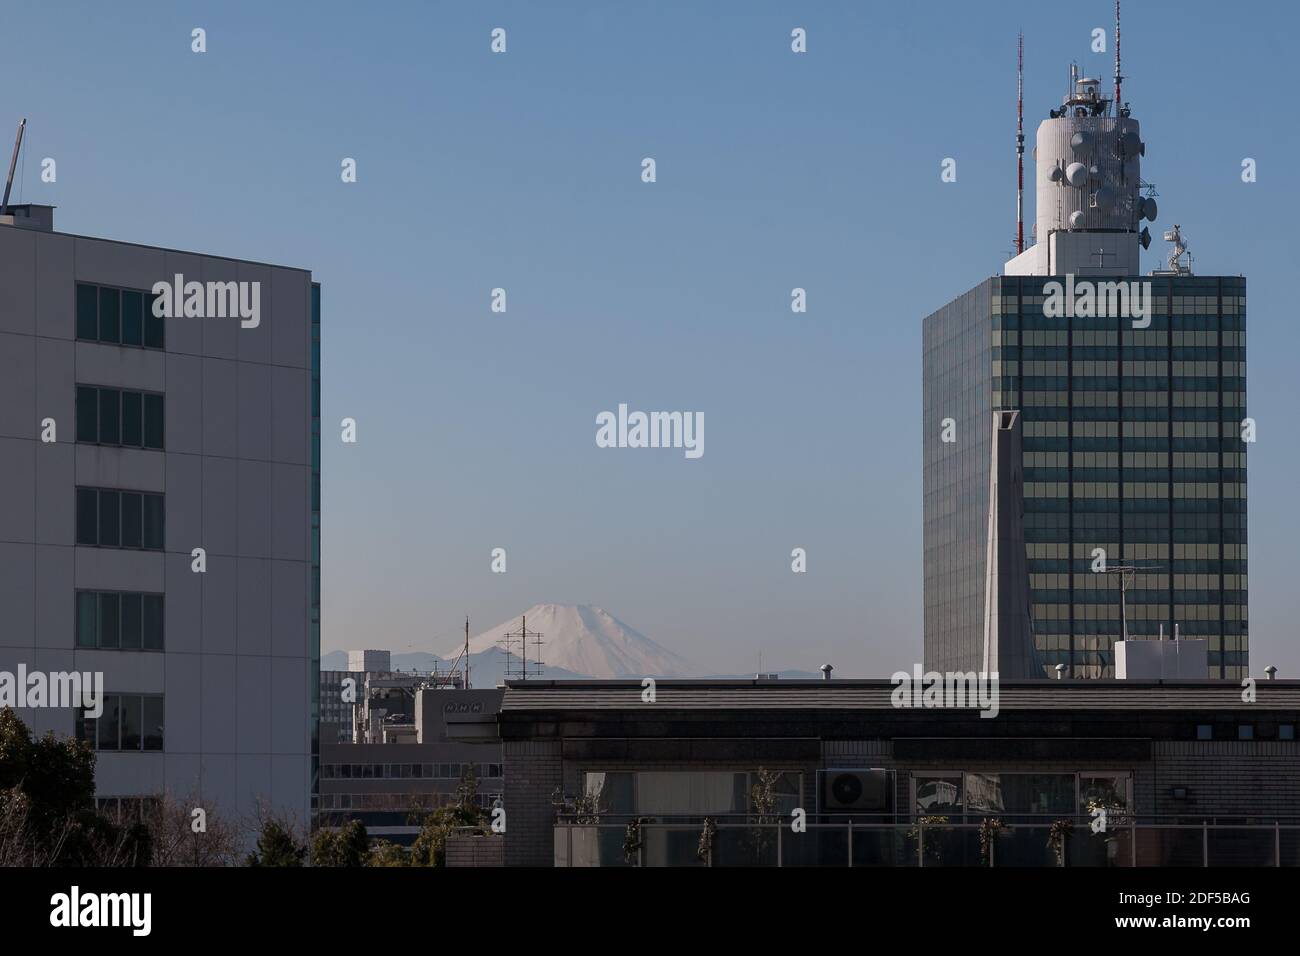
column 386, row 785
column 1182, row 772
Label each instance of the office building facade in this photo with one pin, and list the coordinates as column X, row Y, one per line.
column 1130, row 401
column 160, row 514
column 1132, row 443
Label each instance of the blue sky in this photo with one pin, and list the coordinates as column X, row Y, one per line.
column 775, row 170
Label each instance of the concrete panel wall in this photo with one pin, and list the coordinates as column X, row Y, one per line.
column 235, row 473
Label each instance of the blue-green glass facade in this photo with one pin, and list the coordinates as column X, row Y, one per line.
column 1133, row 444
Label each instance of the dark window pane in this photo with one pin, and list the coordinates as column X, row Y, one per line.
column 132, row 520
column 154, row 715
column 110, row 315
column 87, row 516
column 153, row 421
column 87, row 611
column 87, row 414
column 153, row 325
column 153, row 622
column 85, row 728
column 131, row 622
column 110, row 611
column 131, row 705
column 108, row 723
column 132, row 419
column 109, row 517
column 153, row 522
column 87, row 312
column 132, row 318
column 110, row 403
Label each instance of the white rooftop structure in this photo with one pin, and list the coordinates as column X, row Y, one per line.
column 1088, row 196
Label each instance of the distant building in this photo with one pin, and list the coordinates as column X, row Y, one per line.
column 370, row 661
column 377, row 704
column 452, row 733
column 336, row 714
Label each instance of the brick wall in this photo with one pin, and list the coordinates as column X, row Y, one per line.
column 1228, row 778
column 533, row 771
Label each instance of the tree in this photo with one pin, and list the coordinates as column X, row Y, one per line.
column 183, row 838
column 346, row 846
column 386, row 853
column 277, row 846
column 430, row 846
column 57, row 775
column 47, row 805
column 91, row 839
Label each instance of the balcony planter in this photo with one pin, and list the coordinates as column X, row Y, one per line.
column 1058, row 839
column 990, row 829
column 927, row 834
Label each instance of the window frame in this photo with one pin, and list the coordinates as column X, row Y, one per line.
column 152, row 328
column 88, row 729
column 152, row 415
column 149, row 501
column 96, row 610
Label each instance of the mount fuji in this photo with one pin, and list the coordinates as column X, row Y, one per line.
column 583, row 640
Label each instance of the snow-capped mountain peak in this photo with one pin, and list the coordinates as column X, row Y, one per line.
column 586, row 640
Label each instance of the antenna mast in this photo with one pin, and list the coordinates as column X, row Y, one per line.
column 467, row 652
column 1020, row 144
column 522, row 637
column 13, row 165
column 1118, row 78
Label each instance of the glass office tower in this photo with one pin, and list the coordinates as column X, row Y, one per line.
column 1133, row 444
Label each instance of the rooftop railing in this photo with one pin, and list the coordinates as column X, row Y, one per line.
column 922, row 843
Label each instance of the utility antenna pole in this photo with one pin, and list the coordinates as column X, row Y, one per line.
column 522, row 637
column 467, row 652
column 13, row 165
column 1118, row 78
column 1020, row 144
column 1127, row 573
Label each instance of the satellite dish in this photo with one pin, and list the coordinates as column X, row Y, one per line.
column 1080, row 140
column 1076, row 219
column 1056, row 175
column 1149, row 209
column 1076, row 174
column 1145, row 238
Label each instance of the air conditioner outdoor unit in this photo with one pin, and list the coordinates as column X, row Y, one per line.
column 858, row 789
